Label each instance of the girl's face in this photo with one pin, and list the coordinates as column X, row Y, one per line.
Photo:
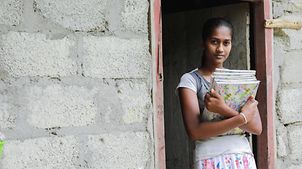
column 218, row 46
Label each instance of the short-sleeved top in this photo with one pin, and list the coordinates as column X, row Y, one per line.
column 214, row 146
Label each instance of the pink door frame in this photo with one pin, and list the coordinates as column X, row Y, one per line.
column 263, row 44
column 157, row 92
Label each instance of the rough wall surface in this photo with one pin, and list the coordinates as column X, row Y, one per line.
column 75, row 89
column 288, row 85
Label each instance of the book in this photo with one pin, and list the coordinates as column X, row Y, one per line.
column 235, row 86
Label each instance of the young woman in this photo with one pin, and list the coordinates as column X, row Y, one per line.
column 217, row 142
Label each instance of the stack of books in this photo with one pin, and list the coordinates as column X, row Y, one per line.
column 235, row 86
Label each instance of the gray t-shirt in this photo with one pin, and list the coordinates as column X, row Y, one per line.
column 196, row 82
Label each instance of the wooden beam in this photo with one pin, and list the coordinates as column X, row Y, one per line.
column 283, row 24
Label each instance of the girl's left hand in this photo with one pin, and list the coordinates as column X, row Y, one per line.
column 215, row 103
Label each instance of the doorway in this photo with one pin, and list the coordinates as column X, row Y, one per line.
column 181, row 30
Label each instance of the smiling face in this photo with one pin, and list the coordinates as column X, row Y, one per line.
column 218, row 46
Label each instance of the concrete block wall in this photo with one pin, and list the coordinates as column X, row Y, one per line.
column 75, row 89
column 288, row 85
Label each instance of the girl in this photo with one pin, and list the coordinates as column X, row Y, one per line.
column 217, row 145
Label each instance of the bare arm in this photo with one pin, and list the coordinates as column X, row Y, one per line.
column 254, row 126
column 196, row 129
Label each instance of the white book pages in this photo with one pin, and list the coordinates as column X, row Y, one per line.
column 234, row 77
column 234, row 70
column 238, row 82
column 232, row 74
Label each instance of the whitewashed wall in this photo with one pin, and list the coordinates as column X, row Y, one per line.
column 75, row 89
column 288, row 85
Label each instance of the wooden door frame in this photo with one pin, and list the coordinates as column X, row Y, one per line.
column 263, row 52
column 263, row 46
column 157, row 88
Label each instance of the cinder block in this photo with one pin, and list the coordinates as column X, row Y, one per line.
column 46, row 153
column 76, row 15
column 25, row 54
column 135, row 16
column 295, row 167
column 124, row 101
column 291, row 71
column 278, row 9
column 290, row 105
column 295, row 37
column 295, row 135
column 296, row 5
column 286, row 8
column 7, row 116
column 61, row 106
column 137, row 109
column 112, row 57
column 120, row 150
column 11, row 12
column 280, row 163
column 282, row 141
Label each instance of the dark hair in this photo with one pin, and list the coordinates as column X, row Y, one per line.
column 209, row 27
column 213, row 23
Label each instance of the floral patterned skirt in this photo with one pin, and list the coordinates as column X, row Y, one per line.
column 228, row 161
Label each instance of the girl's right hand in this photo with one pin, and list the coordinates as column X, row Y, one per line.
column 215, row 103
column 250, row 108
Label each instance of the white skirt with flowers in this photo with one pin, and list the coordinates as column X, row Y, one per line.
column 228, row 161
